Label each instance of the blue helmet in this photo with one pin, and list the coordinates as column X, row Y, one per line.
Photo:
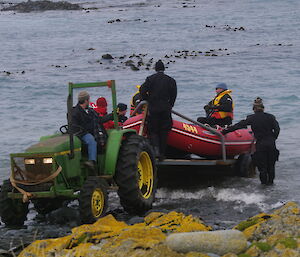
column 222, row 86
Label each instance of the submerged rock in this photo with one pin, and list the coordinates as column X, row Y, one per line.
column 107, row 57
column 41, row 6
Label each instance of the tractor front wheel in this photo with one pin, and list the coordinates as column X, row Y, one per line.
column 13, row 212
column 136, row 175
column 93, row 200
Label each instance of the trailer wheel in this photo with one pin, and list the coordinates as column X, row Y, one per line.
column 44, row 206
column 13, row 212
column 93, row 200
column 244, row 166
column 136, row 175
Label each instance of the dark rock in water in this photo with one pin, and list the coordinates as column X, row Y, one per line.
column 107, row 57
column 64, row 215
column 41, row 6
column 129, row 63
column 134, row 68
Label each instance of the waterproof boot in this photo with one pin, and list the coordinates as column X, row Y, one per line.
column 270, row 179
column 91, row 165
column 263, row 177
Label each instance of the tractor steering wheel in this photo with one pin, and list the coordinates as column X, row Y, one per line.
column 64, row 129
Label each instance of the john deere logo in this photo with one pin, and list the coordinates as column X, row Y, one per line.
column 189, row 128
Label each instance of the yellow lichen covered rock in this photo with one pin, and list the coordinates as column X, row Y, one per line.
column 109, row 237
column 273, row 235
column 248, row 226
column 175, row 222
column 230, row 255
column 269, row 235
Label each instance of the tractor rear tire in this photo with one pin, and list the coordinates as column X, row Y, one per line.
column 13, row 212
column 93, row 200
column 45, row 206
column 244, row 166
column 136, row 175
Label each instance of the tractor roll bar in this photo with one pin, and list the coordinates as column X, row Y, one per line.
column 140, row 105
column 210, row 129
column 110, row 84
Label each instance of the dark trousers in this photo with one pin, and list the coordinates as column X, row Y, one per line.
column 159, row 125
column 265, row 162
column 213, row 121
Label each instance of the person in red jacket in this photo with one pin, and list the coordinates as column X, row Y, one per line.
column 101, row 108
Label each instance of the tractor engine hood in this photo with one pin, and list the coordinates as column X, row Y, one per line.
column 53, row 144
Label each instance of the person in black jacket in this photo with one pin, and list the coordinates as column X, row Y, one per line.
column 219, row 111
column 122, row 110
column 87, row 125
column 160, row 91
column 266, row 130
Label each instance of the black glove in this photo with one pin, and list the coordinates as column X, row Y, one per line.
column 214, row 107
column 206, row 108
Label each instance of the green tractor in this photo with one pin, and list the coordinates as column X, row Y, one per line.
column 53, row 171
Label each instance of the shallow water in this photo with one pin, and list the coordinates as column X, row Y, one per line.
column 262, row 60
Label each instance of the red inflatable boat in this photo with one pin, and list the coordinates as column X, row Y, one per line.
column 198, row 140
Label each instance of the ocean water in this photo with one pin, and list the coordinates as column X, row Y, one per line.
column 44, row 51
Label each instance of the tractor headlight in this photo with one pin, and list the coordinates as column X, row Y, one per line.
column 47, row 160
column 29, row 161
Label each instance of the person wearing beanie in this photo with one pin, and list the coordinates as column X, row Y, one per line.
column 160, row 90
column 266, row 130
column 87, row 125
column 122, row 109
column 219, row 111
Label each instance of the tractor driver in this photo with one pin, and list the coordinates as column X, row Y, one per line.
column 87, row 125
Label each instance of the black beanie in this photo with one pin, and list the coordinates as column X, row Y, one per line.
column 258, row 105
column 159, row 66
column 122, row 107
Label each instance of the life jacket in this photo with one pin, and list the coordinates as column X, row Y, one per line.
column 216, row 101
column 135, row 100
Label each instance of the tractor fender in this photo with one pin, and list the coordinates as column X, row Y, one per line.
column 113, row 147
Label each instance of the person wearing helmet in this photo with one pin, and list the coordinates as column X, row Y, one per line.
column 219, row 111
column 266, row 130
column 160, row 90
column 101, row 108
column 135, row 100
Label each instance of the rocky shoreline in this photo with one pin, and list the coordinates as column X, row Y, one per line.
column 274, row 234
column 41, row 6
